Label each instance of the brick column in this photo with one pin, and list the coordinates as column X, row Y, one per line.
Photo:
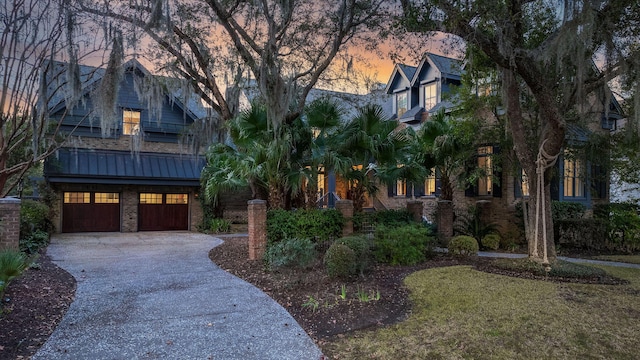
column 414, row 207
column 257, row 216
column 445, row 219
column 9, row 223
column 346, row 209
column 484, row 211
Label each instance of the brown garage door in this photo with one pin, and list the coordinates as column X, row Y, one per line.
column 90, row 211
column 163, row 212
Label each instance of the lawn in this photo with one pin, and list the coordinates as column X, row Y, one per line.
column 461, row 313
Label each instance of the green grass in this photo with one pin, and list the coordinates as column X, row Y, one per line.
column 461, row 313
column 631, row 259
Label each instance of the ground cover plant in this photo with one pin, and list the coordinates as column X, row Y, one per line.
column 631, row 259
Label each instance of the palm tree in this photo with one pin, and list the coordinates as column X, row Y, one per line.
column 443, row 149
column 373, row 145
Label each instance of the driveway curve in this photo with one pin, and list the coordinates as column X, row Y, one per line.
column 156, row 295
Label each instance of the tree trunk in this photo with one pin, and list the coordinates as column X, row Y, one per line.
column 276, row 196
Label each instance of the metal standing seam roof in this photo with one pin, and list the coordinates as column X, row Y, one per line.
column 69, row 165
column 447, row 66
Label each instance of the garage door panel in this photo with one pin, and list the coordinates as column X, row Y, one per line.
column 155, row 217
column 90, row 217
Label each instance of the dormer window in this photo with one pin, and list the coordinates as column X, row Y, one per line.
column 402, row 103
column 130, row 122
column 430, row 96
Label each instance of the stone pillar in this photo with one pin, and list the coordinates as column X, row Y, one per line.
column 346, row 209
column 414, row 207
column 257, row 216
column 445, row 219
column 9, row 223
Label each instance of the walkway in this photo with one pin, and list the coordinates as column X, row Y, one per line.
column 574, row 260
column 158, row 296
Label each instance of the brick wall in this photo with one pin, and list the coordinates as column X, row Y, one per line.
column 9, row 223
column 124, row 143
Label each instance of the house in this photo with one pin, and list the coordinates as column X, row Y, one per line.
column 421, row 91
column 134, row 175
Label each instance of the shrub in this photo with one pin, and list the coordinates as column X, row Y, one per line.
column 319, row 225
column 393, row 218
column 294, row 252
column 218, row 226
column 34, row 242
column 562, row 210
column 12, row 264
column 340, row 261
column 491, row 241
column 34, row 216
column 361, row 248
column 406, row 245
column 622, row 223
column 472, row 225
column 463, row 245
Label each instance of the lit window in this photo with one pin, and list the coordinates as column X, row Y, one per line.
column 573, row 177
column 401, row 188
column 149, row 198
column 430, row 96
column 130, row 122
column 402, row 103
column 77, row 198
column 430, row 184
column 525, row 184
column 107, row 198
column 485, row 182
column 177, row 198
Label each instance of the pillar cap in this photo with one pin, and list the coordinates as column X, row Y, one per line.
column 256, row 201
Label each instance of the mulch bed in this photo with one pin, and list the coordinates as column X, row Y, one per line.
column 32, row 306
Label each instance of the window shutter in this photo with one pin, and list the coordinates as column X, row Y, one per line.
column 497, row 185
column 517, row 190
column 471, row 190
column 438, row 186
column 391, row 189
column 418, row 189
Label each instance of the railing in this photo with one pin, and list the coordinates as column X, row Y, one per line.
column 328, row 200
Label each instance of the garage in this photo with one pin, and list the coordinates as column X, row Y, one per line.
column 90, row 211
column 162, row 211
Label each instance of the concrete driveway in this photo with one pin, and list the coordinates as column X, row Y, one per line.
column 156, row 295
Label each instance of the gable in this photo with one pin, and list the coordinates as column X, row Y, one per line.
column 173, row 117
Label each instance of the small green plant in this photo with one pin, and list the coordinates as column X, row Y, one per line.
column 340, row 261
column 217, row 226
column 491, row 241
column 471, row 224
column 362, row 295
column 311, row 303
column 343, row 292
column 12, row 264
column 291, row 252
column 463, row 245
column 376, row 297
column 34, row 242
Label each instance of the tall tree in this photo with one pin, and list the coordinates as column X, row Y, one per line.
column 545, row 49
column 286, row 46
column 33, row 33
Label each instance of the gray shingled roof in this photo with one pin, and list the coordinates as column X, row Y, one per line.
column 447, row 66
column 413, row 114
column 408, row 70
column 90, row 77
column 122, row 167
